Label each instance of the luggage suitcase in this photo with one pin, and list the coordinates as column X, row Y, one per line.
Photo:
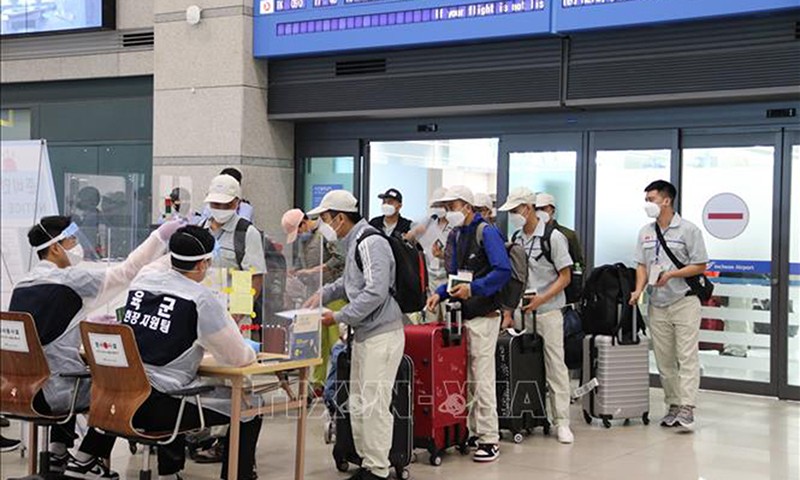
column 621, row 370
column 344, row 450
column 521, row 381
column 439, row 354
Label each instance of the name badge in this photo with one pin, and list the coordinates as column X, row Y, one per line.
column 465, row 275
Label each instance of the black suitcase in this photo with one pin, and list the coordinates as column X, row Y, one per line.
column 521, row 383
column 344, row 450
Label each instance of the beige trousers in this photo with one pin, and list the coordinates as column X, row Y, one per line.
column 550, row 326
column 675, row 330
column 374, row 368
column 481, row 378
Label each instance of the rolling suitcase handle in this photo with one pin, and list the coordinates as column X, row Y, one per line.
column 618, row 337
column 452, row 336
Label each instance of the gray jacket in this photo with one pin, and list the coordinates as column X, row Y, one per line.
column 372, row 309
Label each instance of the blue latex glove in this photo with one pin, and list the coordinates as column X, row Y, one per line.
column 256, row 346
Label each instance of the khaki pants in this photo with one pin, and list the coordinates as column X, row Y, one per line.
column 675, row 330
column 550, row 326
column 481, row 378
column 374, row 368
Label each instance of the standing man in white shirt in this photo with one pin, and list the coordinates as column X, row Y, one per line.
column 674, row 310
column 548, row 276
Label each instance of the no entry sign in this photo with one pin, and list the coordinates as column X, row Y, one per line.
column 725, row 216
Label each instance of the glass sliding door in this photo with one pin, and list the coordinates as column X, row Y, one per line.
column 325, row 166
column 623, row 164
column 728, row 191
column 549, row 164
column 792, row 309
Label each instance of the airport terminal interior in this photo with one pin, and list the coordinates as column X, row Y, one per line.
column 602, row 134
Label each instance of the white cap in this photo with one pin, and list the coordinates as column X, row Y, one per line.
column 336, row 200
column 459, row 192
column 437, row 196
column 544, row 199
column 223, row 189
column 482, row 200
column 518, row 196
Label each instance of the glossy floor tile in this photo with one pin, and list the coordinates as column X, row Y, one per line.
column 737, row 437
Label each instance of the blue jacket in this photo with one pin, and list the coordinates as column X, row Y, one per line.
column 499, row 266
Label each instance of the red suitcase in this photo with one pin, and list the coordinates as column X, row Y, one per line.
column 439, row 352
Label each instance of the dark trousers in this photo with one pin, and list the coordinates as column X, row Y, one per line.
column 160, row 412
column 94, row 443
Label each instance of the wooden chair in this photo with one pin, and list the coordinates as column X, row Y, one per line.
column 120, row 387
column 23, row 373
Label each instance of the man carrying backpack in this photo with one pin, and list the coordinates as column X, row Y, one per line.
column 223, row 199
column 377, row 323
column 486, row 261
column 547, row 277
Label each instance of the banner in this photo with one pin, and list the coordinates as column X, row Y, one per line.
column 28, row 194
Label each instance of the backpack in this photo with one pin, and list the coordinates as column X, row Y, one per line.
column 411, row 273
column 275, row 277
column 608, row 287
column 509, row 297
column 574, row 289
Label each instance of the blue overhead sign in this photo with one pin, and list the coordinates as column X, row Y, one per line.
column 573, row 15
column 310, row 27
column 297, row 27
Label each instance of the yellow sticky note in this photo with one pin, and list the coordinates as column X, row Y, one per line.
column 241, row 297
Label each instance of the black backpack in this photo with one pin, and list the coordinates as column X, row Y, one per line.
column 275, row 277
column 574, row 289
column 509, row 297
column 411, row 273
column 608, row 287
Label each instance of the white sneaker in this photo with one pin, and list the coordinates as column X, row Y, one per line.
column 564, row 434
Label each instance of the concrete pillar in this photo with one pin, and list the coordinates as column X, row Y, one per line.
column 210, row 107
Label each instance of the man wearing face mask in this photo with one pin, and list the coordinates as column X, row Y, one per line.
column 674, row 312
column 377, row 323
column 176, row 320
column 486, row 261
column 391, row 223
column 58, row 296
column 225, row 224
column 548, row 278
column 546, row 209
column 298, row 227
column 485, row 206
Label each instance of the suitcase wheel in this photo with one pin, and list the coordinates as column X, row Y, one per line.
column 519, row 437
column 402, row 473
column 342, row 466
column 646, row 418
column 463, row 448
column 546, row 429
column 607, row 423
column 587, row 417
column 436, row 460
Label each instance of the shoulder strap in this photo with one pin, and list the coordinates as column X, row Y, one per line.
column 479, row 232
column 369, row 233
column 547, row 251
column 240, row 240
column 515, row 236
column 663, row 243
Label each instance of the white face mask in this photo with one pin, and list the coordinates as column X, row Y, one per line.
column 652, row 209
column 438, row 212
column 327, row 232
column 74, row 255
column 456, row 219
column 543, row 216
column 388, row 210
column 517, row 220
column 222, row 216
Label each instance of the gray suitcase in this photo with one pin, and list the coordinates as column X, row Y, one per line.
column 621, row 370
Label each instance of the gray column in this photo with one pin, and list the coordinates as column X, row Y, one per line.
column 210, row 107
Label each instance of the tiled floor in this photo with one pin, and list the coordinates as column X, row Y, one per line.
column 738, row 437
